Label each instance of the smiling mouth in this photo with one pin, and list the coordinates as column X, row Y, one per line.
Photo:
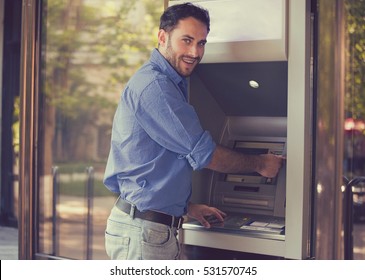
column 189, row 60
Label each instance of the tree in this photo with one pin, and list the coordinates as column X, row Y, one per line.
column 355, row 78
column 91, row 50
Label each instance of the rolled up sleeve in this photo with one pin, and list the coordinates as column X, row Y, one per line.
column 202, row 153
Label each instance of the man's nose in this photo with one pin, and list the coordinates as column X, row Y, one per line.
column 194, row 51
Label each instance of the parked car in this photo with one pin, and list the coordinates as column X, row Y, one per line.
column 359, row 203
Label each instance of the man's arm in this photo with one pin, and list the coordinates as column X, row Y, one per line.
column 228, row 161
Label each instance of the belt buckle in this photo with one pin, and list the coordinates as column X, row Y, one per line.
column 179, row 225
column 180, row 220
column 132, row 211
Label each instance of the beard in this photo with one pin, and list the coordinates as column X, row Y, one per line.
column 183, row 64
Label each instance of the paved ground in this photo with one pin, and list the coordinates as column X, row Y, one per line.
column 8, row 243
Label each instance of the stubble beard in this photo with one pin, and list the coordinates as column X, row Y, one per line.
column 174, row 60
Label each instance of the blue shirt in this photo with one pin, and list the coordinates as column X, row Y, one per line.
column 157, row 140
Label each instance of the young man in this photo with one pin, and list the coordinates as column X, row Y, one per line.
column 157, row 141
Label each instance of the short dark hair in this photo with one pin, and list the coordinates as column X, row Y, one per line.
column 170, row 18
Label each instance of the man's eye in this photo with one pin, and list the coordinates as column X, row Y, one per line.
column 187, row 41
column 202, row 44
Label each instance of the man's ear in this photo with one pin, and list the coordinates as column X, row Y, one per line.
column 162, row 37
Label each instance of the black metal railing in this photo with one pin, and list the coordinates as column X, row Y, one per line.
column 348, row 216
column 89, row 191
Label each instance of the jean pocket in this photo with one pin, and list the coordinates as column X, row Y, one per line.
column 159, row 243
column 116, row 245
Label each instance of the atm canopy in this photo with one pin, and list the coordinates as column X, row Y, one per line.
column 247, row 88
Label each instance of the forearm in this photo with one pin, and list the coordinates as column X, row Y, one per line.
column 228, row 161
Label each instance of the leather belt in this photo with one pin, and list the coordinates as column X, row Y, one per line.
column 149, row 215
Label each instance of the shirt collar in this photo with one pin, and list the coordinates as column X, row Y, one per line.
column 166, row 68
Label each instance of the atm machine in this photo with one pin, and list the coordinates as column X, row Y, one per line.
column 248, row 93
column 251, row 120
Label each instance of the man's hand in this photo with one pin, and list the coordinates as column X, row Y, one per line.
column 270, row 165
column 201, row 211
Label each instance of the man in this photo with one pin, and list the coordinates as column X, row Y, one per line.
column 157, row 141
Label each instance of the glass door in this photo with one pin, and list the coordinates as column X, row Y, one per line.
column 354, row 140
column 89, row 49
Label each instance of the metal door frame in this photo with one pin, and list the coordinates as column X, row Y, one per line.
column 29, row 90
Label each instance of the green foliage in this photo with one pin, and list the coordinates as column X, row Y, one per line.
column 78, row 188
column 73, row 179
column 92, row 50
column 355, row 78
column 16, row 125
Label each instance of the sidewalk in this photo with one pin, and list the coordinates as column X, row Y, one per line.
column 8, row 243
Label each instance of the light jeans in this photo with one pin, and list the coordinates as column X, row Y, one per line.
column 137, row 239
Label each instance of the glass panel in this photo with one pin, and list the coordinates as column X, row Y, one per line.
column 326, row 105
column 90, row 48
column 266, row 19
column 354, row 164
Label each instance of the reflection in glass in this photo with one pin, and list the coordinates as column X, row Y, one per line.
column 354, row 157
column 90, row 48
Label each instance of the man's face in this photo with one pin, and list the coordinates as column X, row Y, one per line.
column 184, row 46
